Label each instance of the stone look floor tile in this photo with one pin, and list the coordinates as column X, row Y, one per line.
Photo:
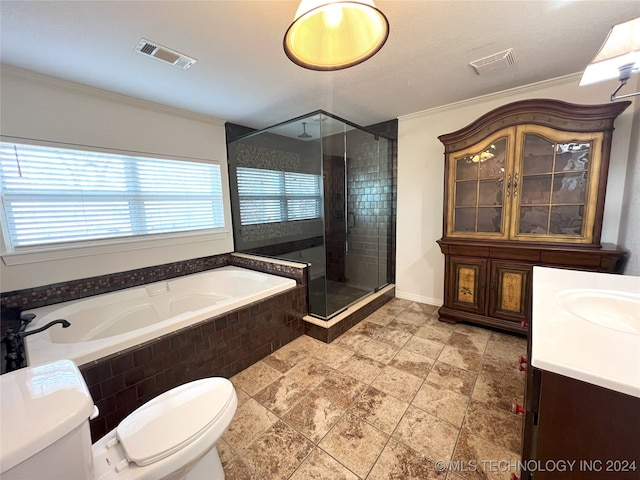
column 478, row 459
column 453, row 378
column 281, row 395
column 498, row 426
column 424, row 347
column 250, row 421
column 398, row 383
column 434, row 333
column 309, row 372
column 332, row 355
column 355, row 444
column 427, row 434
column 319, row 465
column 361, row 368
column 285, row 358
column 412, row 363
column 447, row 391
column 237, row 469
column 399, row 462
column 256, row 377
column 381, row 410
column 507, row 347
column 381, row 318
column 474, row 341
column 500, row 384
column 457, row 357
column 392, row 336
column 314, row 416
column 340, row 389
column 378, row 351
column 352, row 341
column 277, row 452
column 442, row 403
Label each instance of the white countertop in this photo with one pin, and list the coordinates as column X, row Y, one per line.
column 565, row 343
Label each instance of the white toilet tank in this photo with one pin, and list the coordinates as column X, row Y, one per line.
column 44, row 414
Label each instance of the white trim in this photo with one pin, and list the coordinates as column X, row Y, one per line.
column 419, row 298
column 52, row 82
column 573, row 77
column 131, row 244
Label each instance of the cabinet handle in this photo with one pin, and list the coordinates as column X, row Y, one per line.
column 508, row 185
column 517, row 409
column 515, row 185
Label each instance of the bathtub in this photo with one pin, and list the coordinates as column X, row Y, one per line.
column 109, row 323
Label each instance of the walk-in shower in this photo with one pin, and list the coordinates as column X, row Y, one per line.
column 317, row 189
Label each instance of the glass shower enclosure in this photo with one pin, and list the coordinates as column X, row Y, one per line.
column 317, row 189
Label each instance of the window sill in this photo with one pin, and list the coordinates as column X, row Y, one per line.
column 44, row 254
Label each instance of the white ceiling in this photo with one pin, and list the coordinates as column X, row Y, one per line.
column 243, row 75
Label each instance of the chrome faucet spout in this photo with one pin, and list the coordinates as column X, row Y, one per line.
column 61, row 321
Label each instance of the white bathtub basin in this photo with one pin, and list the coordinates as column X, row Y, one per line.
column 617, row 310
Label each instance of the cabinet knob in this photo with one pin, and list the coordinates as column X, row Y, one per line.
column 523, row 363
column 517, row 408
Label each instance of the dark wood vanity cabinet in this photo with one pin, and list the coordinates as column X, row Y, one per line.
column 576, row 430
column 524, row 185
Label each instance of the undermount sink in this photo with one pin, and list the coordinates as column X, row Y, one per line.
column 611, row 309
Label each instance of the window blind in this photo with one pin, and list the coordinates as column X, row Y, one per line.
column 267, row 196
column 52, row 195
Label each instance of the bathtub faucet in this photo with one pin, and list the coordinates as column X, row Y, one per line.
column 14, row 343
column 61, row 321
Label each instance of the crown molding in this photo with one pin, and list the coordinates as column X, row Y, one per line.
column 573, row 77
column 30, row 76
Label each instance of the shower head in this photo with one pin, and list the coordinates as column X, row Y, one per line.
column 304, row 133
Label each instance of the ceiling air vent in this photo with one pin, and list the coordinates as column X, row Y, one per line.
column 164, row 54
column 496, row 61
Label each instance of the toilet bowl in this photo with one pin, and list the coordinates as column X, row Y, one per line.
column 45, row 412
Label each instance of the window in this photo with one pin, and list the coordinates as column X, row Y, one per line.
column 268, row 196
column 53, row 195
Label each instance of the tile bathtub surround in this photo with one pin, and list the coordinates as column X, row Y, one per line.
column 222, row 346
column 389, row 398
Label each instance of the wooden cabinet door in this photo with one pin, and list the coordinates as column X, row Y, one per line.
column 467, row 283
column 477, row 188
column 510, row 291
column 555, row 185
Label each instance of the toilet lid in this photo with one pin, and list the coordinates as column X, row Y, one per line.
column 173, row 420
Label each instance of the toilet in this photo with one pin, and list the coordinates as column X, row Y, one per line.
column 45, row 413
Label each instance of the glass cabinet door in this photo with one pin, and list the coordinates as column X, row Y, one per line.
column 478, row 186
column 552, row 185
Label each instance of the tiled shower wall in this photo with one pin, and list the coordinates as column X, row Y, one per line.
column 369, row 187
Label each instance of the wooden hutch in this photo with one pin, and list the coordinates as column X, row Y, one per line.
column 524, row 185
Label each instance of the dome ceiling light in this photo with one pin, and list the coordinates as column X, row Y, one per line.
column 333, row 35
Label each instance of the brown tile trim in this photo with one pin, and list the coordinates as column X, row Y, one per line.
column 328, row 335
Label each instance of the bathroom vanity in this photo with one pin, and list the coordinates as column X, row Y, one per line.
column 582, row 406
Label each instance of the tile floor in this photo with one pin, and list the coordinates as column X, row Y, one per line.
column 389, row 399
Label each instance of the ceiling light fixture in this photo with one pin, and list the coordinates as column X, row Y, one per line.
column 332, row 35
column 619, row 57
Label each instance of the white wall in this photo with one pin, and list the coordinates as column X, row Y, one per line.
column 42, row 108
column 630, row 221
column 420, row 264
